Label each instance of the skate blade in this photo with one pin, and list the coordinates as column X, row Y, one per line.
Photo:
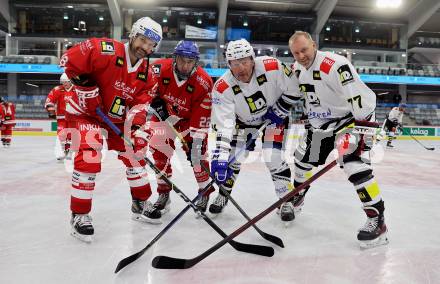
column 85, row 238
column 165, row 210
column 60, row 160
column 143, row 219
column 381, row 241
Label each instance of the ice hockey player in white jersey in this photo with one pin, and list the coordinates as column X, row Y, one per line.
column 252, row 90
column 336, row 98
column 392, row 122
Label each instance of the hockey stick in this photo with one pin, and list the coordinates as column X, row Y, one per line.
column 166, row 262
column 271, row 238
column 420, row 143
column 126, row 261
column 249, row 248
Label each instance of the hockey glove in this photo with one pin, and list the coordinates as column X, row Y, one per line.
column 51, row 111
column 220, row 171
column 276, row 114
column 88, row 99
column 139, row 139
column 160, row 107
column 196, row 150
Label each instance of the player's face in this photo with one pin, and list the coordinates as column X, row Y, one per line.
column 242, row 69
column 67, row 85
column 303, row 49
column 185, row 65
column 142, row 46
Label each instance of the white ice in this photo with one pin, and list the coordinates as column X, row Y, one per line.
column 321, row 245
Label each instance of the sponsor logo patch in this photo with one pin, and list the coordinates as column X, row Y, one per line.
column 107, row 47
column 270, row 64
column 256, row 102
column 221, row 86
column 326, row 65
column 261, row 79
column 345, row 75
column 118, row 108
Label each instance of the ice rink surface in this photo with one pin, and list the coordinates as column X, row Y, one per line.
column 321, row 245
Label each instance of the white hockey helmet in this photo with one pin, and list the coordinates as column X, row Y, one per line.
column 238, row 49
column 147, row 27
column 64, row 78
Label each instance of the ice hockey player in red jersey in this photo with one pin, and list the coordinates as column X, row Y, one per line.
column 117, row 78
column 184, row 98
column 56, row 106
column 7, row 121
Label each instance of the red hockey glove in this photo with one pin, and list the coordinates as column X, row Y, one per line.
column 88, row 99
column 139, row 139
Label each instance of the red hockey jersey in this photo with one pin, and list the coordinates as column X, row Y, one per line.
column 106, row 63
column 7, row 114
column 59, row 96
column 190, row 100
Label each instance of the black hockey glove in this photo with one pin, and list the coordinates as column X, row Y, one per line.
column 160, row 107
column 196, row 150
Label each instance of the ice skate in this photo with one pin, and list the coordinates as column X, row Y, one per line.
column 82, row 227
column 144, row 211
column 374, row 232
column 163, row 203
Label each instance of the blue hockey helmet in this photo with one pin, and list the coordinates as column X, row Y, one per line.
column 187, row 48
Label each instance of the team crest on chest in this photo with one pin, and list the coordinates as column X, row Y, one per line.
column 142, row 76
column 236, row 89
column 316, row 75
column 190, row 89
column 261, row 79
column 119, row 61
column 166, row 81
column 287, row 70
column 117, row 109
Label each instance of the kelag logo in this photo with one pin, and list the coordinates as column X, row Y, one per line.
column 419, row 131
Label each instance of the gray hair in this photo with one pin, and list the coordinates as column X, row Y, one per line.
column 298, row 34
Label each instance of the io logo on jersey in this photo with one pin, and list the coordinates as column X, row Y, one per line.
column 345, row 75
column 309, row 91
column 107, row 47
column 118, row 108
column 256, row 102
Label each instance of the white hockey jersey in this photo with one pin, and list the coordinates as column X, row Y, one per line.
column 396, row 115
column 334, row 92
column 249, row 102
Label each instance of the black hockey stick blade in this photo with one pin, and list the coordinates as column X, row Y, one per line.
column 165, row 262
column 273, row 239
column 126, row 261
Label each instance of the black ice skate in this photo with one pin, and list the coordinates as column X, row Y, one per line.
column 374, row 232
column 82, row 227
column 389, row 144
column 218, row 204
column 287, row 212
column 202, row 204
column 163, row 203
column 144, row 211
